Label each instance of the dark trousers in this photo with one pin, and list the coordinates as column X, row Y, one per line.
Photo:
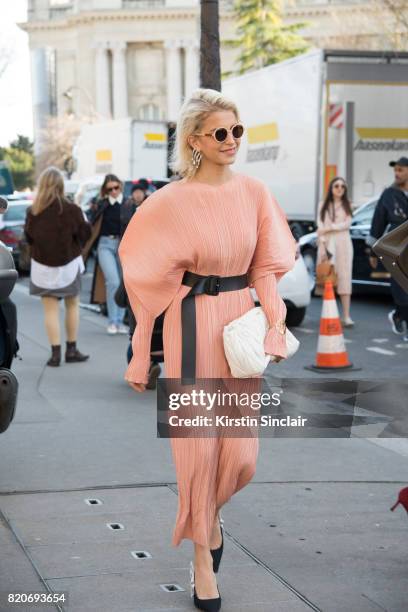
column 400, row 298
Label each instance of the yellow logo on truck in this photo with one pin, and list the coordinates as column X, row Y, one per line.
column 155, row 141
column 259, row 137
column 382, row 139
column 263, row 133
column 103, row 161
column 103, row 155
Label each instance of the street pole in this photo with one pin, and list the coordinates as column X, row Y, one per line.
column 210, row 63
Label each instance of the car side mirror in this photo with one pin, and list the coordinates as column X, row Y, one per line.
column 3, row 205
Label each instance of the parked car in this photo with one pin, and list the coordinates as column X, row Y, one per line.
column 12, row 231
column 70, row 188
column 294, row 289
column 87, row 190
column 369, row 275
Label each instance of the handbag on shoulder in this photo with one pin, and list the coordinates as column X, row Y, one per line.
column 325, row 271
column 392, row 250
column 244, row 344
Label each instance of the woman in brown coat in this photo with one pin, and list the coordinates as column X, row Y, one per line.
column 56, row 230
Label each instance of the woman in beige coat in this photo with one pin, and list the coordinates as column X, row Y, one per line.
column 333, row 230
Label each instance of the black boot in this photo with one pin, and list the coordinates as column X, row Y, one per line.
column 72, row 355
column 55, row 358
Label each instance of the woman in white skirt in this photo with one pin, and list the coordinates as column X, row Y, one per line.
column 56, row 230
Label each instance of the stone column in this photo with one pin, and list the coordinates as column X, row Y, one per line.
column 120, row 89
column 173, row 78
column 40, row 95
column 102, row 80
column 192, row 66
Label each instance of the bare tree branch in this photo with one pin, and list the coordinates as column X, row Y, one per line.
column 399, row 9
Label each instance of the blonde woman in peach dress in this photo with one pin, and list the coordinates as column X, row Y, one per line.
column 212, row 222
column 333, row 230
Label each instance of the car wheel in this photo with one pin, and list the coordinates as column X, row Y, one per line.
column 309, row 257
column 295, row 316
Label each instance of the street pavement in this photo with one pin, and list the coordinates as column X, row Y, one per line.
column 313, row 530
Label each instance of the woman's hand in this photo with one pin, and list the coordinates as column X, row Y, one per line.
column 139, row 387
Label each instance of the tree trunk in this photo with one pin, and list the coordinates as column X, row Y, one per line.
column 210, row 63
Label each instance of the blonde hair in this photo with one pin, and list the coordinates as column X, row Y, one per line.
column 193, row 113
column 50, row 189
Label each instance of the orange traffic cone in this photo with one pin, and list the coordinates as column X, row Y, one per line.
column 331, row 350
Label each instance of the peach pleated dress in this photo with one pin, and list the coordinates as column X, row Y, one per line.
column 226, row 230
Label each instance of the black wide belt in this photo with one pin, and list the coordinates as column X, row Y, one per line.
column 209, row 285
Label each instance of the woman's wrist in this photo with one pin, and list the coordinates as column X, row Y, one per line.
column 275, row 341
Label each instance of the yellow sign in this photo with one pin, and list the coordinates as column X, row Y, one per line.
column 103, row 155
column 155, row 137
column 263, row 133
column 383, row 133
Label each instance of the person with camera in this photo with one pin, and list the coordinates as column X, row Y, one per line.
column 391, row 211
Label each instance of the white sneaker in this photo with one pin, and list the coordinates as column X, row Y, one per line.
column 398, row 325
column 112, row 329
column 122, row 329
column 348, row 322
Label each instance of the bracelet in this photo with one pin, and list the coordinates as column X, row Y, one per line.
column 281, row 326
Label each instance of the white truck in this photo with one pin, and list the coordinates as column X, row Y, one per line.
column 319, row 115
column 127, row 147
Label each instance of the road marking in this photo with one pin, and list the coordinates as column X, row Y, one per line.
column 377, row 349
column 403, row 346
column 306, row 330
column 380, row 340
column 347, row 341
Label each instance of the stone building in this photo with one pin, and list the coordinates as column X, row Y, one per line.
column 138, row 58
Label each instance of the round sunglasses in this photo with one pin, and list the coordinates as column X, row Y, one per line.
column 221, row 134
column 337, row 185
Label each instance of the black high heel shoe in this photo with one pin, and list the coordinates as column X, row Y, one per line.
column 216, row 553
column 207, row 605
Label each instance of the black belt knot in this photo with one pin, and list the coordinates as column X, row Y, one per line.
column 212, row 285
column 208, row 285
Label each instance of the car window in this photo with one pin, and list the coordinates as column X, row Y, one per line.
column 16, row 212
column 364, row 215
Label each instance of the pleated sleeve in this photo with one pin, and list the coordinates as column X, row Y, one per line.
column 153, row 268
column 274, row 256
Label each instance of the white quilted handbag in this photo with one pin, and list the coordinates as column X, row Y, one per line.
column 244, row 344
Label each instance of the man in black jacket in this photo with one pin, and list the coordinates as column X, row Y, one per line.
column 391, row 211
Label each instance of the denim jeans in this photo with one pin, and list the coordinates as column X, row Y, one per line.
column 109, row 261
